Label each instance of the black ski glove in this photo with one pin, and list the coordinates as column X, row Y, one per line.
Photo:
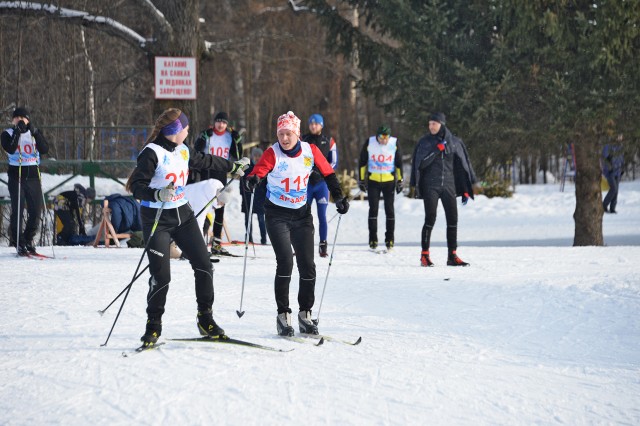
column 362, row 186
column 250, row 183
column 342, row 205
column 399, row 186
column 22, row 127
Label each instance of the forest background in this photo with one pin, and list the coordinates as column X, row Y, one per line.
column 520, row 82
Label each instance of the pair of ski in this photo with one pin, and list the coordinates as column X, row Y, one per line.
column 34, row 256
column 228, row 340
column 379, row 251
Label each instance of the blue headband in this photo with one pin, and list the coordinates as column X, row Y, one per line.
column 176, row 126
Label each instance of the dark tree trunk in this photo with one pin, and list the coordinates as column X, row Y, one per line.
column 589, row 211
column 183, row 17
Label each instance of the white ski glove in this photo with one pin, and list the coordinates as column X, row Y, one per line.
column 165, row 194
column 239, row 167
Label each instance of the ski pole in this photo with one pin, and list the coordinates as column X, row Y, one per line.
column 128, row 288
column 46, row 211
column 240, row 312
column 350, row 197
column 333, row 247
column 216, row 196
column 248, row 222
column 18, row 223
column 102, row 311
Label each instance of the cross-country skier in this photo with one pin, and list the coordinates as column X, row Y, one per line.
column 317, row 189
column 381, row 174
column 24, row 144
column 287, row 166
column 158, row 181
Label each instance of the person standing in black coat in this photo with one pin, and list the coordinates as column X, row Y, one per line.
column 441, row 170
column 24, row 144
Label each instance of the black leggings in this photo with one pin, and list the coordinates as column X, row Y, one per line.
column 387, row 189
column 31, row 198
column 430, row 199
column 177, row 225
column 287, row 228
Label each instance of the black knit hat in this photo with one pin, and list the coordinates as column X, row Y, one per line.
column 221, row 116
column 439, row 117
column 21, row 112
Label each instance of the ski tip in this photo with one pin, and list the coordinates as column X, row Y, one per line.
column 320, row 342
column 357, row 342
column 240, row 314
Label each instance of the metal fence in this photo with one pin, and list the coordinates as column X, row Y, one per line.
column 109, row 142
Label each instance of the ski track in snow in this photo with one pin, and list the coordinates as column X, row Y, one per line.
column 535, row 331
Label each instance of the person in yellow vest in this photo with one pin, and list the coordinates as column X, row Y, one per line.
column 381, row 173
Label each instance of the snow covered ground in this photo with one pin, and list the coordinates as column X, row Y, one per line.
column 534, row 332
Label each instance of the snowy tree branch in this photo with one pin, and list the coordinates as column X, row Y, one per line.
column 101, row 23
column 157, row 16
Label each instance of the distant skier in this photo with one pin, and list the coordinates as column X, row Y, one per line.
column 381, row 174
column 287, row 166
column 158, row 181
column 317, row 189
column 441, row 170
column 223, row 141
column 24, row 144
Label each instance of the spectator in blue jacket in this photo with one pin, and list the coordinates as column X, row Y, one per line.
column 612, row 161
column 125, row 213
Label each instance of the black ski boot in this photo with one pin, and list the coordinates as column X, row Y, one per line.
column 373, row 245
column 152, row 332
column 22, row 250
column 30, row 248
column 207, row 326
column 217, row 249
column 306, row 323
column 389, row 244
column 283, row 324
column 323, row 249
column 454, row 260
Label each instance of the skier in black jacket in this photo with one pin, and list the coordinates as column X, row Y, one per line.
column 24, row 144
column 222, row 141
column 441, row 170
column 158, row 182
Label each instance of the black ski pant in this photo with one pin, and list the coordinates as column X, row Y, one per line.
column 611, row 199
column 179, row 225
column 287, row 228
column 430, row 200
column 374, row 190
column 30, row 197
column 218, row 214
